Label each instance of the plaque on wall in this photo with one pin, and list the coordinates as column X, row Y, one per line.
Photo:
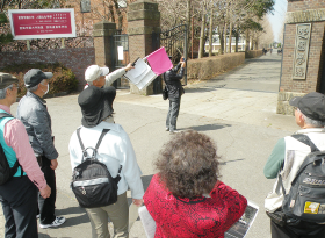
column 85, row 6
column 301, row 50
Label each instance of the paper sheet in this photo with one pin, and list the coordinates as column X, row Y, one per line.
column 159, row 61
column 240, row 228
column 147, row 79
column 142, row 75
column 140, row 68
column 149, row 224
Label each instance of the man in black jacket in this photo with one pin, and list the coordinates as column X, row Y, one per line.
column 173, row 81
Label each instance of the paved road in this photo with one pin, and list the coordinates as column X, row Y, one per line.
column 237, row 110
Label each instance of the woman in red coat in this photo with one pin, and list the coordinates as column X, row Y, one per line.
column 185, row 198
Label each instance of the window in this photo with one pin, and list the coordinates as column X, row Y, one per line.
column 85, row 6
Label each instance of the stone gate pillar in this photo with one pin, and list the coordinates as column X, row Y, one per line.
column 302, row 52
column 143, row 22
column 102, row 43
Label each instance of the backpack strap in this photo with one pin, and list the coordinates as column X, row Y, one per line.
column 13, row 169
column 104, row 132
column 306, row 140
column 308, row 159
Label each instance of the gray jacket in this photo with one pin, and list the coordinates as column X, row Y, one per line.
column 37, row 121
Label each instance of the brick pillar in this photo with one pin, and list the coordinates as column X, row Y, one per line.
column 143, row 22
column 302, row 52
column 102, row 43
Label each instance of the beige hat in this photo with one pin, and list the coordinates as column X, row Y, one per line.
column 94, row 72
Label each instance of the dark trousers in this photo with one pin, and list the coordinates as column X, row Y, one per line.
column 18, row 200
column 47, row 206
column 300, row 230
column 173, row 112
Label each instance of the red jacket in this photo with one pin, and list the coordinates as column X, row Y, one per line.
column 202, row 217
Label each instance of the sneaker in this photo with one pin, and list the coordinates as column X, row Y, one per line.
column 167, row 129
column 58, row 221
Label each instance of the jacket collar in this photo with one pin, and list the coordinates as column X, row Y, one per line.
column 33, row 95
column 310, row 130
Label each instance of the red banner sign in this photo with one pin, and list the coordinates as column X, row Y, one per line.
column 42, row 23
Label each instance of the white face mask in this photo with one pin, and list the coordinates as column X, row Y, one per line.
column 48, row 88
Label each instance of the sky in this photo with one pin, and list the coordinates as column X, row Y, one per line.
column 277, row 19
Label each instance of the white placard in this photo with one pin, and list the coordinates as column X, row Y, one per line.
column 120, row 52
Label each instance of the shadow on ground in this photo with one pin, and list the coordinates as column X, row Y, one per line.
column 229, row 161
column 81, row 217
column 261, row 60
column 200, row 90
column 207, row 127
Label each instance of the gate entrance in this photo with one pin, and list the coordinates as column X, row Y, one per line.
column 120, row 57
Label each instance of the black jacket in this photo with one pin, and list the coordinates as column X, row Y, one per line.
column 173, row 82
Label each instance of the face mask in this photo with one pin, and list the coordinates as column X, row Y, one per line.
column 48, row 88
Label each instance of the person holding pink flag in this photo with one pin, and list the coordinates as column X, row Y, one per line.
column 173, row 79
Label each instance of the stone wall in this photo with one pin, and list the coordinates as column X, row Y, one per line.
column 283, row 106
column 314, row 68
column 301, row 75
column 75, row 59
column 207, row 68
column 253, row 53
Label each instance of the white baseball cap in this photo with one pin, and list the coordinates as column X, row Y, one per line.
column 94, row 72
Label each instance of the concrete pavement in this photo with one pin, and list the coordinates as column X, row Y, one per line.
column 237, row 110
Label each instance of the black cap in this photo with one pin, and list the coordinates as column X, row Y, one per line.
column 95, row 105
column 311, row 105
column 7, row 80
column 35, row 76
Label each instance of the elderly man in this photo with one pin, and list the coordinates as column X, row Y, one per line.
column 99, row 76
column 37, row 121
column 287, row 157
column 18, row 196
column 115, row 150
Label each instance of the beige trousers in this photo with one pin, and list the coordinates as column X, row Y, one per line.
column 118, row 213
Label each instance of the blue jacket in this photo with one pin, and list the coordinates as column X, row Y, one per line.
column 37, row 121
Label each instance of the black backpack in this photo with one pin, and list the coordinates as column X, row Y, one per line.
column 92, row 183
column 6, row 173
column 306, row 198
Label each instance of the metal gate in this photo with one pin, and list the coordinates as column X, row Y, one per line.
column 175, row 39
column 120, row 57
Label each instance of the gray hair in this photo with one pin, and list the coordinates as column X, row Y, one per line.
column 90, row 83
column 3, row 92
column 33, row 89
column 314, row 123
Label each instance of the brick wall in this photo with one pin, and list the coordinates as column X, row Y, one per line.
column 75, row 59
column 207, row 68
column 101, row 10
column 294, row 6
column 314, row 69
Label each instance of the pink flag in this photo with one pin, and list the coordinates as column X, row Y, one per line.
column 159, row 61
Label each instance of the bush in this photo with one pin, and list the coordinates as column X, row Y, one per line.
column 63, row 79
